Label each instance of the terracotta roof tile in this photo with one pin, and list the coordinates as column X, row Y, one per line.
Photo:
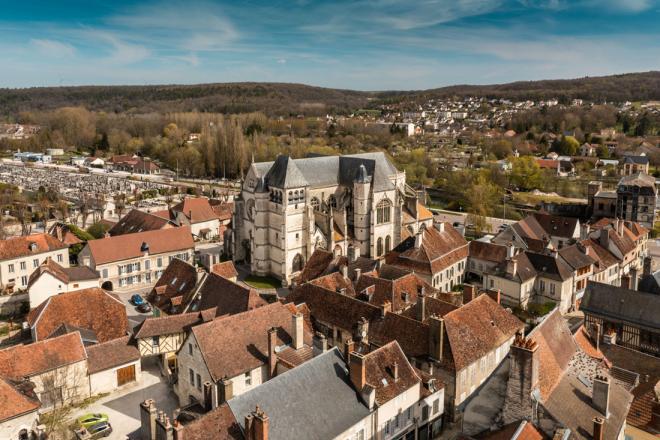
column 334, row 282
column 178, row 280
column 197, row 209
column 91, row 309
column 218, row 424
column 487, row 251
column 13, row 402
column 139, row 221
column 17, row 247
column 223, row 210
column 64, row 274
column 111, row 354
column 412, row 335
column 227, row 297
column 124, row 247
column 380, row 364
column 167, row 325
column 225, row 269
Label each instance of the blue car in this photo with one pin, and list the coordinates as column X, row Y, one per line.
column 137, row 300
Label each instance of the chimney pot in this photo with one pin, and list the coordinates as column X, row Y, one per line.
column 598, row 428
column 358, row 273
column 319, row 344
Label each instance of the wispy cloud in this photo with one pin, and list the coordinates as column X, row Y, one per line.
column 52, row 48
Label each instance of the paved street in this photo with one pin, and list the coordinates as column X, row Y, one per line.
column 453, row 217
column 134, row 317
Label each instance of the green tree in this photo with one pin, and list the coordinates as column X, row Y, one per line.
column 526, row 173
column 98, row 229
column 482, row 197
column 603, row 152
column 568, row 146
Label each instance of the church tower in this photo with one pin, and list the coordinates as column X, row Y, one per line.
column 362, row 210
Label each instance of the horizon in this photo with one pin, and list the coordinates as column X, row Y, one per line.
column 381, row 45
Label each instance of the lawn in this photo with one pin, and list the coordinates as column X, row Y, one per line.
column 263, row 282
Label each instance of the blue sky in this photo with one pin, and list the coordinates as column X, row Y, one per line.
column 359, row 44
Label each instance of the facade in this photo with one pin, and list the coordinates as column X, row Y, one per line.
column 540, row 231
column 630, row 165
column 52, row 279
column 137, row 260
column 112, row 365
column 484, row 257
column 636, row 197
column 19, row 415
column 134, row 164
column 288, row 208
column 20, row 256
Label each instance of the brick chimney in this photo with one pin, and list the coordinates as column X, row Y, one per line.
column 357, row 370
column 601, row 395
column 225, row 389
column 599, row 428
column 177, row 430
column 272, row 357
column 319, row 344
column 349, row 347
column 436, row 337
column 420, row 306
column 164, row 428
column 297, row 328
column 208, row 395
column 148, row 420
column 256, row 425
column 523, row 379
column 469, row 293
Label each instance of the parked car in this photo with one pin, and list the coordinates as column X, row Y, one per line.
column 103, row 429
column 137, row 300
column 144, row 308
column 91, row 419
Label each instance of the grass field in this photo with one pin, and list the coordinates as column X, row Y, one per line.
column 262, row 282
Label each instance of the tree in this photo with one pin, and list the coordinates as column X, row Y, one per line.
column 482, row 197
column 98, row 229
column 501, row 148
column 568, row 146
column 603, row 152
column 526, row 173
column 120, row 203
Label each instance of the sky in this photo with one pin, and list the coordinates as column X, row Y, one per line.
column 358, row 44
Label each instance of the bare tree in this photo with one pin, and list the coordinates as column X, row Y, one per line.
column 62, row 387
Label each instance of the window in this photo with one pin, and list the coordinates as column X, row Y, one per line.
column 542, row 286
column 155, row 341
column 248, row 378
column 425, row 412
column 387, row 427
column 191, row 376
column 379, row 247
column 23, row 265
column 388, row 243
column 492, row 283
column 59, row 258
column 105, row 273
column 147, row 277
column 147, row 264
column 35, row 262
column 315, row 203
column 383, row 211
column 436, row 406
column 159, row 262
column 190, row 349
column 199, row 382
column 332, row 201
column 76, row 285
column 359, row 435
column 11, row 268
column 552, row 289
column 24, row 280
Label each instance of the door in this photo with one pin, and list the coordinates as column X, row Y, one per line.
column 125, row 375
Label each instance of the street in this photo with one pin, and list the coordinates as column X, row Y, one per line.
column 453, row 217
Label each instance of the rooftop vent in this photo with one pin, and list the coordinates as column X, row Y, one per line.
column 144, row 247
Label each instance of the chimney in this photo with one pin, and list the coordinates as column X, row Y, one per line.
column 148, row 420
column 385, row 308
column 395, row 372
column 418, row 240
column 523, row 379
column 619, row 227
column 436, row 337
column 469, row 293
column 604, row 238
column 420, row 307
column 601, row 395
column 164, row 428
column 226, row 388
column 298, row 330
column 510, row 250
column 358, row 370
column 344, row 271
column 358, row 273
column 599, row 428
column 349, row 347
column 319, row 344
column 272, row 357
column 249, row 427
column 353, row 253
column 260, row 425
column 584, row 231
column 511, row 267
column 178, row 430
column 208, row 396
column 648, row 263
column 363, row 330
column 440, row 226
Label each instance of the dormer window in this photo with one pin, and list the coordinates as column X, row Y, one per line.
column 33, row 247
column 144, row 247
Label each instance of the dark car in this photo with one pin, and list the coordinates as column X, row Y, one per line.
column 137, row 300
column 144, row 308
column 99, row 430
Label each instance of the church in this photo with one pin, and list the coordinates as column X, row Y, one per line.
column 358, row 204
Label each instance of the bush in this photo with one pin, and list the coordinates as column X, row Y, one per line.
column 98, row 230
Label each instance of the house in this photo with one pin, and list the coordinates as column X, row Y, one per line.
column 19, row 415
column 325, row 202
column 137, row 260
column 98, row 315
column 198, row 214
column 606, row 264
column 540, row 231
column 323, row 262
column 601, row 203
column 549, row 379
column 438, row 255
column 630, row 165
column 224, row 296
column 94, row 162
column 588, row 149
column 625, row 317
column 483, row 257
column 20, row 256
column 175, row 287
column 139, row 221
column 134, row 164
column 636, row 196
column 226, row 270
column 231, row 355
column 112, row 365
column 56, row 368
column 64, row 233
column 77, row 161
column 52, row 279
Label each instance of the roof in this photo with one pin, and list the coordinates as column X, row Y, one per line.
column 178, row 280
column 650, row 283
column 63, row 233
column 550, row 266
column 218, row 424
column 285, row 174
column 514, row 431
column 640, row 160
column 111, row 354
column 197, row 209
column 124, row 247
column 24, row 361
column 223, row 210
column 17, row 247
column 380, row 365
column 64, row 274
column 91, row 309
column 401, row 290
column 602, row 257
column 225, row 269
column 552, row 225
column 575, row 257
column 138, row 221
column 637, row 179
column 167, row 325
column 437, row 250
column 13, row 402
column 412, row 335
column 238, row 343
column 477, row 328
column 482, row 250
column 617, row 303
column 307, row 410
column 227, row 297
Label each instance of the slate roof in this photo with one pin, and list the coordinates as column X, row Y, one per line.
column 24, row 361
column 92, row 309
column 17, row 247
column 285, row 174
column 14, row 402
column 617, row 303
column 321, row 403
column 138, row 221
column 110, row 354
column 124, row 247
column 238, row 343
column 640, row 160
column 64, row 274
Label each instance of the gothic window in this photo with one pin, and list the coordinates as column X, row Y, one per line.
column 388, row 243
column 315, row 203
column 383, row 211
column 379, row 247
column 298, row 263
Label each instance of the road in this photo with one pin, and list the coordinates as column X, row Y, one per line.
column 454, row 217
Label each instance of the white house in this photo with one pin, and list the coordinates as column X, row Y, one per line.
column 52, row 279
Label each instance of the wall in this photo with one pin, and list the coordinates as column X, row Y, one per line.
column 9, row 429
column 363, row 425
column 183, row 388
column 399, row 405
column 106, row 381
column 512, row 293
column 47, row 285
column 72, row 378
column 213, row 225
column 19, row 273
column 259, row 375
column 12, row 304
column 166, row 344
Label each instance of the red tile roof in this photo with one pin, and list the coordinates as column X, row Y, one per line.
column 64, row 274
column 197, row 209
column 124, row 247
column 227, row 297
column 17, row 247
column 14, row 403
column 111, row 354
column 380, row 364
column 139, row 221
column 24, row 361
column 225, row 269
column 91, row 309
column 178, row 280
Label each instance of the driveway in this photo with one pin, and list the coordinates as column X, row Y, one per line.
column 134, row 317
column 123, row 409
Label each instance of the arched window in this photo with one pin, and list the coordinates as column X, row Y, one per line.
column 298, row 263
column 379, row 247
column 332, row 201
column 383, row 211
column 315, row 203
column 388, row 243
column 422, row 227
column 290, row 197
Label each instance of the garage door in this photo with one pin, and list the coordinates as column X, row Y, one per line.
column 125, row 375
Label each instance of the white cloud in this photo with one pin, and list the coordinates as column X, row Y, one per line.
column 281, row 61
column 122, row 52
column 53, row 48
